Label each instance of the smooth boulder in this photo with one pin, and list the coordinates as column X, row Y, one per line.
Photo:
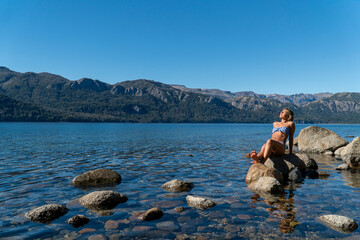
column 268, row 185
column 315, row 139
column 177, row 186
column 97, row 177
column 257, row 171
column 46, row 213
column 102, row 200
column 351, row 153
column 339, row 223
column 199, row 202
column 285, row 164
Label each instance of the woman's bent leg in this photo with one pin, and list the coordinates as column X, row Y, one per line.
column 272, row 146
column 258, row 157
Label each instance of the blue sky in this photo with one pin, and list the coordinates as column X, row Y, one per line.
column 279, row 46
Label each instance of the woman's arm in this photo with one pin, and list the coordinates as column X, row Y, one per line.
column 291, row 137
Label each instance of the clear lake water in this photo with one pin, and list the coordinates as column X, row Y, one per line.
column 39, row 160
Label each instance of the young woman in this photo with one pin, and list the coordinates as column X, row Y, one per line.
column 277, row 144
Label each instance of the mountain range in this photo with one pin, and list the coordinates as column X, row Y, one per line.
column 49, row 97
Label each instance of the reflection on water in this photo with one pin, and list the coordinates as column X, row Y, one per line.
column 280, row 210
column 39, row 160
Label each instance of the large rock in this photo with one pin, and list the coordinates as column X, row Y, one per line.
column 285, row 164
column 339, row 223
column 97, row 177
column 47, row 213
column 339, row 151
column 308, row 161
column 257, row 171
column 267, row 185
column 102, row 200
column 351, row 153
column 177, row 186
column 199, row 202
column 319, row 140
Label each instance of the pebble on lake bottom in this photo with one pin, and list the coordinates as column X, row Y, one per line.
column 141, row 228
column 87, row 230
column 179, row 209
column 78, row 221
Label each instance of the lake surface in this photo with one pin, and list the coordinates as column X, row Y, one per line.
column 39, row 161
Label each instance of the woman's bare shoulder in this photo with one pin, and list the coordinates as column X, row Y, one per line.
column 291, row 124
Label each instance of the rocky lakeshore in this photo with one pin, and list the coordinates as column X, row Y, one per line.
column 158, row 191
column 269, row 180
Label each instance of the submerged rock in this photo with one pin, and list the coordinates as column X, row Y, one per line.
column 167, row 226
column 199, row 202
column 323, row 174
column 315, row 139
column 152, row 214
column 78, row 221
column 47, row 213
column 351, row 153
column 339, row 223
column 177, row 186
column 97, row 177
column 179, row 209
column 102, row 200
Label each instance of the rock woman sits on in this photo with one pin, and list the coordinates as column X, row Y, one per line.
column 277, row 144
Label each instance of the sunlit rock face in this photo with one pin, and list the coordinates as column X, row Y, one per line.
column 315, row 139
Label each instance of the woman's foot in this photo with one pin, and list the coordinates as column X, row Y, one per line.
column 254, row 157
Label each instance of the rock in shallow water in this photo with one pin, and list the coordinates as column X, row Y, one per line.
column 339, row 223
column 285, row 164
column 308, row 161
column 351, row 153
column 319, row 140
column 46, row 213
column 97, row 177
column 177, row 186
column 257, row 171
column 179, row 209
column 295, row 175
column 343, row 167
column 78, row 220
column 200, row 203
column 267, row 185
column 152, row 214
column 102, row 200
